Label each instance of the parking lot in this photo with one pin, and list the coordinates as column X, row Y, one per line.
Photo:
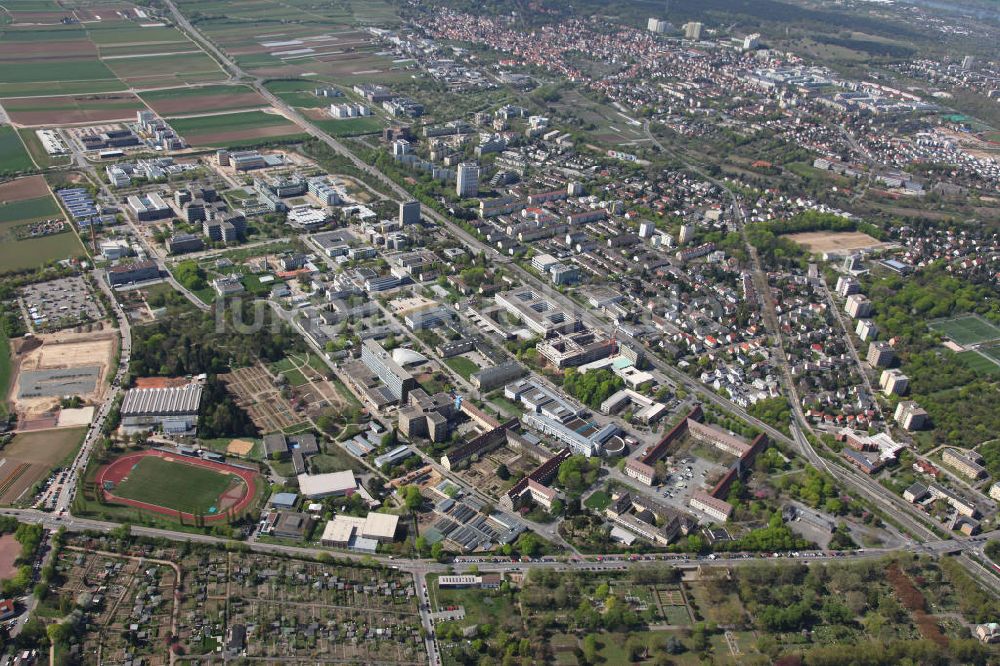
column 59, row 304
column 688, row 474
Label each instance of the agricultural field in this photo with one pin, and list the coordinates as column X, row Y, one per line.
column 236, row 129
column 202, row 99
column 13, row 154
column 24, row 202
column 37, row 151
column 165, row 69
column 109, row 50
column 30, row 457
column 66, row 110
column 45, row 77
column 299, row 93
column 966, row 330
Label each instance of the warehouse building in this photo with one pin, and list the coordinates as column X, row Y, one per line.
column 174, row 409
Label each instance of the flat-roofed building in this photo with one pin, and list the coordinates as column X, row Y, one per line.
column 911, row 416
column 148, row 207
column 360, row 533
column 894, row 382
column 496, row 376
column 880, row 354
column 398, row 380
column 858, row 306
column 330, row 484
column 537, row 313
column 292, row 525
column 136, row 271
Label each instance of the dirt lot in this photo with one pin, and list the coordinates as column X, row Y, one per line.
column 62, row 350
column 9, row 550
column 23, row 189
column 29, row 457
column 832, row 241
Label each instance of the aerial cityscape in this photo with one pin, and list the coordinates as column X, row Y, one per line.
column 499, row 333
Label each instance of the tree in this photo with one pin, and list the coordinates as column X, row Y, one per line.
column 437, row 552
column 502, row 472
column 590, row 648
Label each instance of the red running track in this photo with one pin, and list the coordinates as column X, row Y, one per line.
column 115, row 471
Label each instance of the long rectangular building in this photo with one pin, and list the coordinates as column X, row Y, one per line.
column 175, row 409
column 398, row 380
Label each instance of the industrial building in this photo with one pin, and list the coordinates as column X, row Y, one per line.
column 174, row 409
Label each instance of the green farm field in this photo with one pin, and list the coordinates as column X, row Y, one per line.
column 299, row 93
column 56, row 76
column 236, row 129
column 166, row 68
column 27, row 253
column 174, row 485
column 13, row 155
column 111, row 33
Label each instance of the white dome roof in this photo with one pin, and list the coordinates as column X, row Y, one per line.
column 405, row 356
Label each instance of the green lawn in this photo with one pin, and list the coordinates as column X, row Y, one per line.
column 599, row 501
column 462, row 366
column 13, row 155
column 174, row 485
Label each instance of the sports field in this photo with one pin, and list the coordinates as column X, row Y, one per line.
column 13, row 155
column 967, row 329
column 168, row 484
column 234, row 129
column 982, row 361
